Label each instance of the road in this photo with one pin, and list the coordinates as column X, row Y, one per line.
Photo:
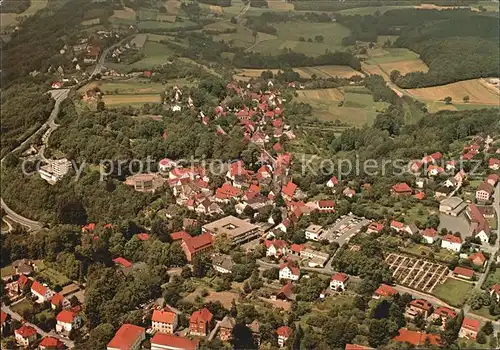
column 49, row 125
column 100, row 63
column 16, row 316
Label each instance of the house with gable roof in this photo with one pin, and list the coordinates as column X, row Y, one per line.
column 128, row 337
column 164, row 320
column 289, row 271
column 200, row 322
column 41, row 292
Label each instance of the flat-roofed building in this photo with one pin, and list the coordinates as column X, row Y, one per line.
column 237, row 230
column 452, row 206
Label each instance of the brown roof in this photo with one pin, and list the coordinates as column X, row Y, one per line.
column 286, row 290
column 416, row 338
column 126, row 336
column 202, row 315
column 164, row 316
column 197, row 243
column 463, row 271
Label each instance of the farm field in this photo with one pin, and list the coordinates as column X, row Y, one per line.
column 369, row 10
column 91, row 22
column 145, row 25
column 387, row 55
column 125, row 16
column 7, row 19
column 155, row 54
column 278, row 5
column 125, row 100
column 125, row 87
column 320, row 94
column 172, row 6
column 304, row 72
column 476, row 89
column 289, row 34
column 453, row 291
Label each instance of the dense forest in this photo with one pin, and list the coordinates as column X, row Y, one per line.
column 455, row 44
column 294, row 59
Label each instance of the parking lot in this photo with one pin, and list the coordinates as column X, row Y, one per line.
column 418, row 274
column 344, row 229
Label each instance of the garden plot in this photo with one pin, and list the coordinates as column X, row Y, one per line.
column 416, row 273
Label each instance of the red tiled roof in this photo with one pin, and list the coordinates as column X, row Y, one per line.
column 173, row 342
column 89, row 227
column 164, row 316
column 180, row 235
column 122, row 261
column 3, row 317
column 341, row 277
column 284, row 331
column 436, row 155
column 430, row 232
column 65, row 316
column 294, row 269
column 334, row 180
column 23, row 281
column 277, row 147
column 401, row 188
column 142, row 236
column 421, row 304
column 57, row 299
column 452, row 239
column 471, row 324
column 38, row 288
column 326, row 204
column 420, row 195
column 289, row 189
column 26, row 331
column 196, row 243
column 478, row 218
column 277, row 243
column 376, row 226
column 203, row 315
column 51, row 343
column 462, row 271
column 416, row 338
column 495, row 288
column 397, row 224
column 296, row 248
column 287, row 290
column 478, row 256
column 493, row 161
column 385, row 290
column 126, row 336
column 493, row 177
column 443, row 311
column 227, row 191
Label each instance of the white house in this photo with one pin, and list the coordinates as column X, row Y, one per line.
column 289, row 271
column 222, row 264
column 332, row 182
column 430, row 235
column 41, row 292
column 276, row 248
column 164, row 320
column 25, row 336
column 284, row 333
column 451, row 242
column 66, row 321
column 313, row 232
column 339, row 281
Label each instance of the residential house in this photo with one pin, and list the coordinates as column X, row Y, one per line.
column 200, row 322
column 67, row 321
column 444, row 313
column 416, row 338
column 375, row 227
column 288, row 191
column 339, row 281
column 41, row 292
column 495, row 291
column 332, row 182
column 286, row 292
column 226, row 327
column 284, row 333
column 479, row 226
column 164, row 320
column 418, row 306
column 59, row 302
column 128, row 337
column 25, row 335
column 296, row 249
column 400, row 227
column 289, row 271
column 452, row 243
column 383, row 291
column 196, row 245
column 313, row 232
column 276, row 248
column 442, row 191
column 255, row 329
column 462, row 272
column 494, row 164
column 484, row 191
column 327, row 206
column 401, row 189
column 470, row 328
column 478, row 259
column 349, row 192
column 430, row 235
column 122, row 262
column 51, row 343
column 492, row 179
column 223, row 264
column 164, row 341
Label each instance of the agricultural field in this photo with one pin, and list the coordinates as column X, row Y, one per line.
column 369, row 10
column 147, row 15
column 304, row 72
column 139, row 40
column 8, row 19
column 477, row 90
column 290, row 32
column 172, row 6
column 126, row 100
column 416, row 273
column 125, row 87
column 125, row 16
column 91, row 22
column 154, row 24
column 155, row 54
column 277, row 5
column 453, row 291
column 333, row 94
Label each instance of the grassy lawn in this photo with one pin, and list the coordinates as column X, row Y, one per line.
column 132, row 86
column 392, row 55
column 421, row 250
column 54, row 277
column 155, row 53
column 370, row 10
column 22, row 306
column 485, row 313
column 453, row 291
column 145, row 25
column 130, row 100
column 290, row 32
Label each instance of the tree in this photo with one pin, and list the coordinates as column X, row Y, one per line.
column 488, row 328
column 466, row 98
column 186, row 272
column 100, row 336
column 447, row 100
column 297, row 338
column 200, row 266
column 222, row 244
column 481, row 337
column 101, row 106
column 319, row 38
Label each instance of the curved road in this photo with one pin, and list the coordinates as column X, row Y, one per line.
column 49, row 126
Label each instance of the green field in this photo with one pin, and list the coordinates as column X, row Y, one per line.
column 370, row 10
column 7, row 19
column 453, row 291
column 155, row 54
column 153, row 25
column 133, row 86
column 393, row 55
column 54, row 277
column 22, row 306
column 289, row 34
column 147, row 15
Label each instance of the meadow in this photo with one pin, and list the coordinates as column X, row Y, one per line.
column 8, row 19
column 453, row 291
column 304, row 72
column 155, row 54
column 369, row 10
column 130, row 100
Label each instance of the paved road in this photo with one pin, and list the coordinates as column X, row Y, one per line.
column 100, row 64
column 16, row 316
column 49, row 125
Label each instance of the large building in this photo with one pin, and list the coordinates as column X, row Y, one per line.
column 196, row 245
column 164, row 321
column 127, row 337
column 452, row 206
column 55, row 170
column 162, row 341
column 237, row 230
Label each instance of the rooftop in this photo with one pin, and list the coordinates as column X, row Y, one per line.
column 126, row 337
column 231, row 226
column 171, row 341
